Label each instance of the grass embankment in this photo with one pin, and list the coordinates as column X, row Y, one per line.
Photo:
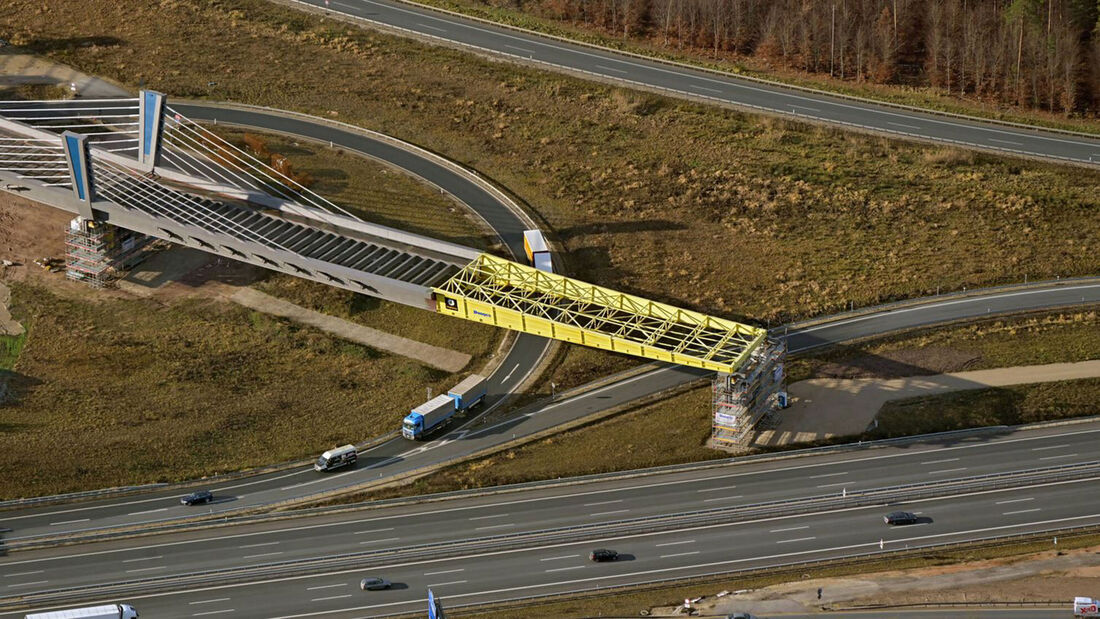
column 629, row 603
column 746, row 66
column 675, row 430
column 720, row 211
column 379, row 194
column 132, row 391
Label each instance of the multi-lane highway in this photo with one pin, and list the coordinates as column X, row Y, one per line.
column 677, row 80
column 561, row 567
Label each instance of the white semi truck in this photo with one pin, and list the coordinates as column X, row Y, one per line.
column 1086, row 607
column 108, row 611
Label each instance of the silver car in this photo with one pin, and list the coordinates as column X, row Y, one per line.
column 374, row 583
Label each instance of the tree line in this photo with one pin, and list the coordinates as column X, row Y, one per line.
column 1042, row 54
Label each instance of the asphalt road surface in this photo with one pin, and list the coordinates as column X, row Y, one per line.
column 679, row 81
column 938, row 459
column 399, row 456
column 565, row 567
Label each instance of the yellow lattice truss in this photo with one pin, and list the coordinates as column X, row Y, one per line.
column 502, row 293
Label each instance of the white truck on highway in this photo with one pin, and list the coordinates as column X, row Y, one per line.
column 1086, row 607
column 108, row 611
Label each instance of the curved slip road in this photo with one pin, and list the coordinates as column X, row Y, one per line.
column 398, row 456
column 565, row 568
column 724, row 89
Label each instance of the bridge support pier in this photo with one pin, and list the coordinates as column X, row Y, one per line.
column 750, row 398
column 96, row 252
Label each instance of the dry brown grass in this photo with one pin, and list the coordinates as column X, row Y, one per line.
column 707, row 208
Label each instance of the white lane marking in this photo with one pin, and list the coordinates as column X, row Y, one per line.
column 461, row 569
column 680, row 554
column 833, row 485
column 803, row 107
column 1058, row 456
column 1005, row 141
column 525, row 51
column 603, row 503
column 379, row 541
column 210, row 601
column 431, row 27
column 798, row 539
column 940, row 461
column 1062, row 446
column 331, row 597
column 481, row 594
column 495, row 526
column 1015, row 501
column 724, row 498
column 728, row 81
column 941, row 471
column 805, row 526
column 318, row 480
column 54, row 524
column 994, row 443
column 488, row 517
column 214, row 612
column 1021, row 511
column 716, row 489
column 509, row 374
column 562, row 569
column 28, row 584
column 612, row 69
column 902, row 125
column 561, row 557
column 695, row 87
column 828, row 475
column 143, row 559
column 258, row 545
column 148, row 511
column 614, row 511
column 686, row 541
column 23, row 573
column 339, row 584
column 372, row 531
column 444, row 584
column 263, row 554
column 147, row 569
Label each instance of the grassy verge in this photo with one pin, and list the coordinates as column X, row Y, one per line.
column 675, row 430
column 183, row 391
column 923, row 97
column 628, row 603
column 989, row 407
column 10, row 347
column 719, row 211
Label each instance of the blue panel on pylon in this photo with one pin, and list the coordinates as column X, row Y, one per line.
column 74, row 148
column 151, row 115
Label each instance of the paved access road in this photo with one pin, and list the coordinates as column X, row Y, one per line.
column 399, row 456
column 565, row 567
column 744, row 483
column 730, row 90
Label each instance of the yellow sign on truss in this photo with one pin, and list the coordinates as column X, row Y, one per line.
column 514, row 296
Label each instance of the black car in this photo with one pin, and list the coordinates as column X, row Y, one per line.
column 197, row 497
column 900, row 518
column 603, row 554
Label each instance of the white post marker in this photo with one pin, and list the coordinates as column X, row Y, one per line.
column 881, row 543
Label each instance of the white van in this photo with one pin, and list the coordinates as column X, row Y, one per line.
column 336, row 458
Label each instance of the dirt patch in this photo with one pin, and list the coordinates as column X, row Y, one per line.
column 29, row 231
column 901, row 363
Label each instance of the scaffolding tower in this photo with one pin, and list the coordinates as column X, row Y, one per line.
column 97, row 253
column 754, row 393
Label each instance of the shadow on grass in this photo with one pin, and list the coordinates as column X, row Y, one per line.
column 43, row 45
column 14, row 387
column 621, row 227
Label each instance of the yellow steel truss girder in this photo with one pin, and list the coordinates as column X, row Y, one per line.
column 506, row 294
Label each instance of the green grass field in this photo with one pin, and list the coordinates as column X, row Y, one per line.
column 133, row 391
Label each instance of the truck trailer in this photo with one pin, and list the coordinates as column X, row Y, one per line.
column 108, row 611
column 1086, row 607
column 469, row 393
column 538, row 252
column 427, row 417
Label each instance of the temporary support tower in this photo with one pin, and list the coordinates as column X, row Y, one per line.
column 754, row 392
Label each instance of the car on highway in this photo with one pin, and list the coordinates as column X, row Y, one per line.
column 603, row 554
column 740, row 616
column 900, row 518
column 374, row 583
column 198, row 497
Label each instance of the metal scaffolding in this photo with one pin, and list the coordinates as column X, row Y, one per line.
column 750, row 397
column 96, row 253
